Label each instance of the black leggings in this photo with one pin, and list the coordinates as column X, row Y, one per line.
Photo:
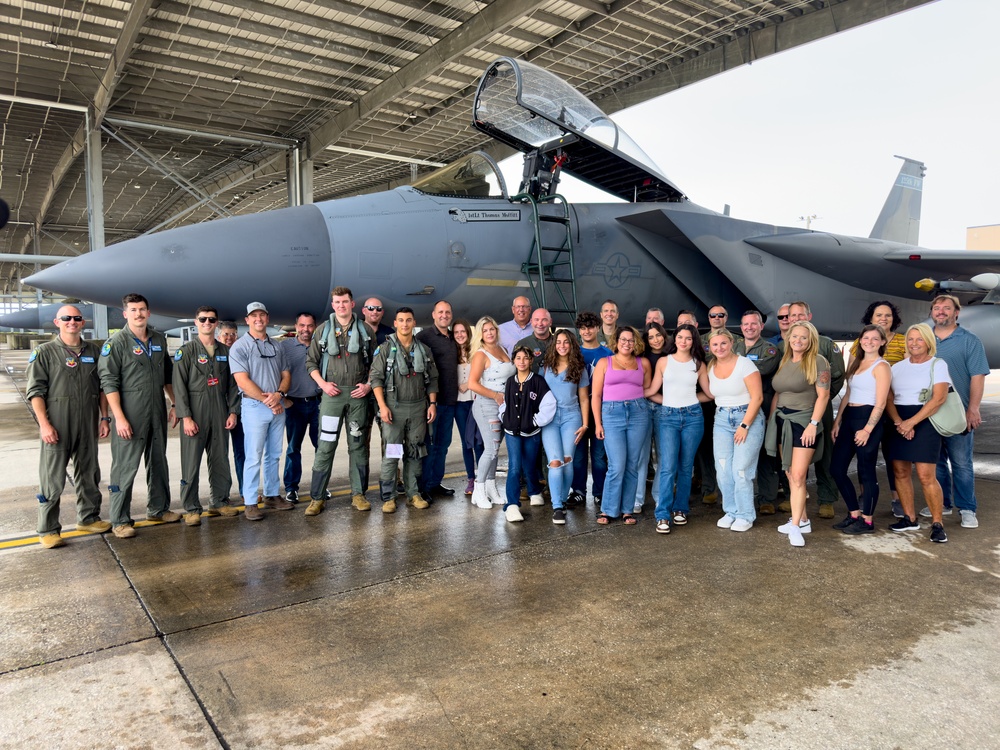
column 844, row 450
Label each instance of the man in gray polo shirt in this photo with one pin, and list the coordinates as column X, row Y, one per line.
column 258, row 363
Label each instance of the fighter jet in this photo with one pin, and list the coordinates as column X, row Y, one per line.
column 458, row 234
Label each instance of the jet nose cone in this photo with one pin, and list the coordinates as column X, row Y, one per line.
column 280, row 257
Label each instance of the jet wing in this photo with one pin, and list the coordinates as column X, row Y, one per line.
column 950, row 262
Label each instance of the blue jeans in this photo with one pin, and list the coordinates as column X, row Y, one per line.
column 438, row 443
column 239, row 450
column 522, row 457
column 647, row 448
column 954, row 472
column 598, row 464
column 625, row 426
column 736, row 465
column 678, row 434
column 301, row 417
column 263, row 432
column 463, row 412
column 558, row 437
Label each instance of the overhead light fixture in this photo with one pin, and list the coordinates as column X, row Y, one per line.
column 137, row 186
column 51, row 44
column 237, row 79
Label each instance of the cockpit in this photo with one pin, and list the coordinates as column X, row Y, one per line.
column 558, row 128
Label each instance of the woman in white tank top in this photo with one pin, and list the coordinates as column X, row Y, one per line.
column 857, row 430
column 679, row 423
column 491, row 367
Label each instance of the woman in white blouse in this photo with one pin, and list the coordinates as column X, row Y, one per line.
column 739, row 429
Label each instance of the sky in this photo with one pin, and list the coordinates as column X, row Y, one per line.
column 813, row 131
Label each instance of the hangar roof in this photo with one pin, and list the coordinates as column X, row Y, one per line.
column 216, row 93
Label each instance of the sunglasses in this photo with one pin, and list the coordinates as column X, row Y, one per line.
column 207, row 320
column 68, row 318
column 717, row 315
column 782, row 317
column 373, row 308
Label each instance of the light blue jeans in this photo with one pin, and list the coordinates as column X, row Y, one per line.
column 955, row 473
column 736, row 465
column 263, row 433
column 558, row 438
column 647, row 447
column 626, row 424
column 678, row 433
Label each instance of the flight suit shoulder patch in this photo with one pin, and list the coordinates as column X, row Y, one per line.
column 34, row 355
column 178, row 355
column 106, row 349
column 772, row 351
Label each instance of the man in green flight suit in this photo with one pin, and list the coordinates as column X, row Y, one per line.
column 207, row 404
column 64, row 390
column 339, row 357
column 764, row 355
column 135, row 368
column 405, row 381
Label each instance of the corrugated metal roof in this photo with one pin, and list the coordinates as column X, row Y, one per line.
column 385, row 76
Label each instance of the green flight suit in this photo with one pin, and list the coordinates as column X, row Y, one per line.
column 347, row 371
column 766, row 357
column 205, row 390
column 406, row 394
column 69, row 382
column 138, row 372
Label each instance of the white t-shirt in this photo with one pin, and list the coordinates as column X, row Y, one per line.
column 680, row 382
column 732, row 391
column 909, row 379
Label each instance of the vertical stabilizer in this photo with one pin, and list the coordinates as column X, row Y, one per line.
column 900, row 217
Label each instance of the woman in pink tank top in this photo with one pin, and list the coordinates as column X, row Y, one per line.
column 621, row 419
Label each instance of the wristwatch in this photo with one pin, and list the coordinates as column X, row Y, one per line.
column 744, row 425
column 814, row 422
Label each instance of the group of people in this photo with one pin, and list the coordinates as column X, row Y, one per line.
column 716, row 409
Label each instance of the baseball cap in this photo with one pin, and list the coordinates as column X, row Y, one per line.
column 255, row 306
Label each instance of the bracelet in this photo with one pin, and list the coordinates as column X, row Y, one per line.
column 105, row 419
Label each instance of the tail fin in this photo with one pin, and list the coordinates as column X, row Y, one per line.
column 900, row 217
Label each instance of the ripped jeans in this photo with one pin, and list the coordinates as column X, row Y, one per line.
column 736, row 465
column 486, row 412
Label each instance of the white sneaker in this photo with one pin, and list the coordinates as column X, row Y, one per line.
column 637, row 509
column 513, row 513
column 795, row 537
column 741, row 524
column 926, row 512
column 725, row 522
column 969, row 520
column 805, row 527
column 537, row 500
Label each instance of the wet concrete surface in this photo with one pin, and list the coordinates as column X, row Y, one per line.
column 451, row 628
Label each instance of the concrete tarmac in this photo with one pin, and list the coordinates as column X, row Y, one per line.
column 451, row 628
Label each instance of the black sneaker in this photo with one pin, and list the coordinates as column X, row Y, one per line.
column 905, row 524
column 292, row 496
column 559, row 516
column 860, row 526
column 938, row 534
column 849, row 521
column 575, row 500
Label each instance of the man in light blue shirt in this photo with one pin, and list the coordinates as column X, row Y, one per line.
column 968, row 367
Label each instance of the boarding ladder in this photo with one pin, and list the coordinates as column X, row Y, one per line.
column 549, row 267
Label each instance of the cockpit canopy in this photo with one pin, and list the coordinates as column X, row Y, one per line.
column 532, row 110
column 472, row 176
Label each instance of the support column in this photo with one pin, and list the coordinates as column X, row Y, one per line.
column 95, row 209
column 293, row 178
